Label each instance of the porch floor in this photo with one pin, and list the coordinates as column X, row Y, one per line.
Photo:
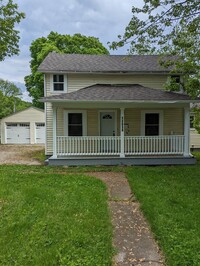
column 116, row 160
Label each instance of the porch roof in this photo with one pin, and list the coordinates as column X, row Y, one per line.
column 84, row 63
column 119, row 93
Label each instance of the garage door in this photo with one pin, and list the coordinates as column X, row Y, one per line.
column 40, row 133
column 18, row 133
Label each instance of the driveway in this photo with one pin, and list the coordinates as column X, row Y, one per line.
column 19, row 154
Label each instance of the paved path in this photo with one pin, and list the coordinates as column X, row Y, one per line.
column 132, row 237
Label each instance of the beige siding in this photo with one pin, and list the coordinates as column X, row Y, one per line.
column 30, row 115
column 76, row 82
column 79, row 81
column 173, row 121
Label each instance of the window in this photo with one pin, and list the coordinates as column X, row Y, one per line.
column 151, row 124
column 75, row 123
column 58, row 82
column 176, row 79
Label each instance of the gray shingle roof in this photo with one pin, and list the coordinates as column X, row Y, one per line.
column 55, row 62
column 118, row 92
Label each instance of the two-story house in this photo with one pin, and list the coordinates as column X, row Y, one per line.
column 111, row 110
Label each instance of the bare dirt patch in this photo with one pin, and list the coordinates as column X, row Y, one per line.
column 20, row 154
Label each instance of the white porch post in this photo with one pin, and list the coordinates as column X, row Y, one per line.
column 54, row 132
column 187, row 131
column 122, row 155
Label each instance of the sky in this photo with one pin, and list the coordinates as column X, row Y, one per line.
column 104, row 19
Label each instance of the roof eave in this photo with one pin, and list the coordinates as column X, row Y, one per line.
column 105, row 72
column 119, row 101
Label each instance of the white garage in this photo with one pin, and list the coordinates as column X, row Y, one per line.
column 40, row 133
column 18, row 133
column 24, row 127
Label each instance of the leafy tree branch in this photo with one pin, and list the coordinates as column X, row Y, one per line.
column 9, row 38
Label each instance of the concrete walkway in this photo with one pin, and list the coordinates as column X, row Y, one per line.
column 132, row 237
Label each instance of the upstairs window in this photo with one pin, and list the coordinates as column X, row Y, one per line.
column 176, row 78
column 58, row 82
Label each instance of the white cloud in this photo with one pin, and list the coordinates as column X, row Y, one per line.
column 100, row 18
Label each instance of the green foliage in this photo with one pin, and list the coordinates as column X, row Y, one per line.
column 41, row 47
column 9, row 16
column 169, row 198
column 196, row 121
column 168, row 27
column 9, row 101
column 53, row 219
column 172, row 85
column 9, row 88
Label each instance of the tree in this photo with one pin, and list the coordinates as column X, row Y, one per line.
column 9, row 16
column 76, row 44
column 9, row 98
column 9, row 88
column 168, row 27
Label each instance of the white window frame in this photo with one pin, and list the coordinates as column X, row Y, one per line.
column 84, row 114
column 52, row 83
column 143, row 114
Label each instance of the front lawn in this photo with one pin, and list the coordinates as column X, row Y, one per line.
column 170, row 199
column 53, row 218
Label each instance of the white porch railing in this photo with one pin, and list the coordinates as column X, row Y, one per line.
column 154, row 145
column 134, row 145
column 88, row 145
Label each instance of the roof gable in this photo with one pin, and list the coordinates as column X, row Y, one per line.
column 55, row 63
column 31, row 108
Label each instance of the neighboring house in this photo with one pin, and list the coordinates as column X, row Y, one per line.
column 24, row 127
column 112, row 109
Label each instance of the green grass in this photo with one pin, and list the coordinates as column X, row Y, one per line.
column 170, row 200
column 49, row 217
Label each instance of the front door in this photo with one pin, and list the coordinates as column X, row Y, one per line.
column 107, row 124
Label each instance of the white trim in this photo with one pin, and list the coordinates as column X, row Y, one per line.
column 5, row 134
column 84, row 113
column 160, row 112
column 104, row 111
column 65, row 83
column 54, row 132
column 122, row 154
column 187, row 131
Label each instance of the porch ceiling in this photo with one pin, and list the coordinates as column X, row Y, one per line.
column 120, row 93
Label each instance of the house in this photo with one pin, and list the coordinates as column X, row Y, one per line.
column 111, row 110
column 24, row 127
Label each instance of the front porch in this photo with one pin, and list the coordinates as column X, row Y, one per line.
column 119, row 150
column 120, row 132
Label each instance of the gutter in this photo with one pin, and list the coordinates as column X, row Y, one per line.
column 119, row 101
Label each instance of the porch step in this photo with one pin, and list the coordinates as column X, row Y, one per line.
column 80, row 161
